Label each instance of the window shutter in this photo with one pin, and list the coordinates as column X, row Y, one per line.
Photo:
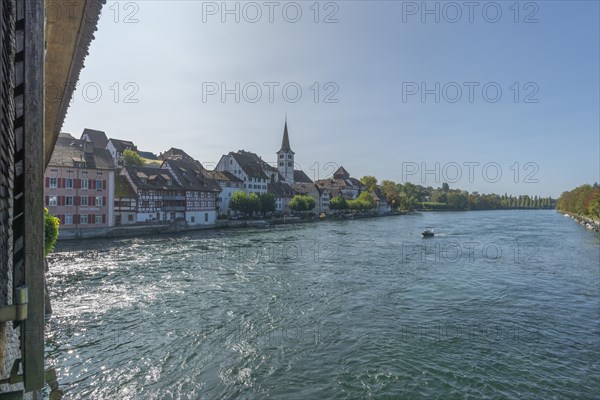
column 93, row 184
column 91, row 218
column 103, row 200
column 75, row 200
column 47, row 200
column 47, row 182
column 77, row 183
column 104, row 184
column 90, row 201
column 103, row 218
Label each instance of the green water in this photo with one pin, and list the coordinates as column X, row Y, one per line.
column 500, row 304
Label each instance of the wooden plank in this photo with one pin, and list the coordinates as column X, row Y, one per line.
column 33, row 328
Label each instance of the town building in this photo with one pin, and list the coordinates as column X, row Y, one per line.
column 98, row 138
column 175, row 154
column 201, row 193
column 250, row 168
column 160, row 198
column 117, row 147
column 229, row 184
column 343, row 184
column 382, row 205
column 125, row 204
column 283, row 194
column 79, row 184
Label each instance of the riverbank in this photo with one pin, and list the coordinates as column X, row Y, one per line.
column 144, row 229
column 587, row 222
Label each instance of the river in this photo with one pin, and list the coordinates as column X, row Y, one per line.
column 499, row 304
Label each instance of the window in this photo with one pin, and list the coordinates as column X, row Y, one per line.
column 98, row 219
column 98, row 184
column 281, row 163
column 205, row 217
column 229, row 194
column 290, row 163
column 69, row 183
column 281, row 155
column 52, row 201
column 84, row 184
column 98, row 201
column 52, row 182
column 130, row 217
column 193, row 219
column 68, row 219
column 83, row 200
column 68, row 200
column 83, row 219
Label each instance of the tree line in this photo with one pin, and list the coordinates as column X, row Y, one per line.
column 409, row 196
column 583, row 200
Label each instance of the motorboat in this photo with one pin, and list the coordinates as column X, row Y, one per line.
column 428, row 233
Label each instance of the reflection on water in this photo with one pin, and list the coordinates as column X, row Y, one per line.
column 345, row 309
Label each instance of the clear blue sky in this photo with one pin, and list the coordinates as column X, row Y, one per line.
column 375, row 55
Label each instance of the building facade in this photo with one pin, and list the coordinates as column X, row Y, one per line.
column 79, row 185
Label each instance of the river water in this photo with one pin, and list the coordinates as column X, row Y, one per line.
column 499, row 304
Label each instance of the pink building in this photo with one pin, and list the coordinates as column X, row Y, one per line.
column 79, row 184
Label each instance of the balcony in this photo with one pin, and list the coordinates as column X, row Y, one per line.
column 173, row 197
column 173, row 208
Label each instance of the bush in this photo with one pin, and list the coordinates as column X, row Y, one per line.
column 51, row 224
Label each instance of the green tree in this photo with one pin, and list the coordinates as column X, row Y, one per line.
column 302, row 203
column 366, row 201
column 457, row 201
column 369, row 181
column 244, row 203
column 267, row 202
column 445, row 187
column 51, row 224
column 133, row 158
column 338, row 203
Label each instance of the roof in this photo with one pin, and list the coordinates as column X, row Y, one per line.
column 147, row 155
column 252, row 164
column 70, row 153
column 190, row 175
column 221, row 176
column 300, row 176
column 378, row 194
column 152, row 178
column 304, row 188
column 341, row 173
column 175, row 154
column 123, row 188
column 280, row 189
column 285, row 142
column 122, row 145
column 98, row 138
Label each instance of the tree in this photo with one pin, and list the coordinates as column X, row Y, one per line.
column 267, row 202
column 390, row 192
column 445, row 187
column 244, row 203
column 133, row 158
column 366, row 201
column 369, row 181
column 457, row 201
column 302, row 202
column 338, row 203
column 51, row 224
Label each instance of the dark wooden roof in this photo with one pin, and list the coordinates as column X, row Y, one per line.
column 221, row 176
column 280, row 189
column 341, row 173
column 175, row 154
column 149, row 178
column 123, row 188
column 252, row 164
column 122, row 145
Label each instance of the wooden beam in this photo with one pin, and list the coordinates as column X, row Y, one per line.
column 33, row 138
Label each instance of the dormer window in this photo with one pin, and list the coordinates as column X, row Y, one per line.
column 281, row 155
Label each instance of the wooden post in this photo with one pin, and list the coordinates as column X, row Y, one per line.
column 33, row 138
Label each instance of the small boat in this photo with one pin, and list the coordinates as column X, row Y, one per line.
column 428, row 233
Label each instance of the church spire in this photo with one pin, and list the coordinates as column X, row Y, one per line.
column 285, row 143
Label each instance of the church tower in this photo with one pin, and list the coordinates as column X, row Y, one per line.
column 285, row 157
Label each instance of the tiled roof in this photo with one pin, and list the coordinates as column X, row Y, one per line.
column 175, row 154
column 98, row 138
column 341, row 173
column 251, row 163
column 221, row 176
column 152, row 178
column 190, row 175
column 123, row 188
column 285, row 142
column 122, row 145
column 304, row 188
column 147, row 155
column 70, row 153
column 300, row 176
column 280, row 189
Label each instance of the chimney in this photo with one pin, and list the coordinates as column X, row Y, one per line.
column 88, row 147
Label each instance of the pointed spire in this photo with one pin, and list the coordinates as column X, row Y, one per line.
column 285, row 143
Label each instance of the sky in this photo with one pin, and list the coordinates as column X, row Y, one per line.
column 496, row 97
